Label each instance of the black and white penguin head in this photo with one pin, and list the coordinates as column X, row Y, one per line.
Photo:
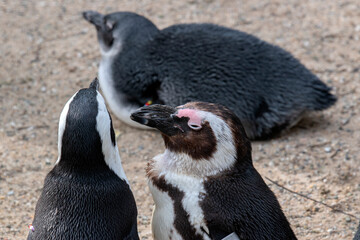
column 86, row 137
column 120, row 28
column 201, row 139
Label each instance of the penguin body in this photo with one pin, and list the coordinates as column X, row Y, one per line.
column 204, row 185
column 86, row 195
column 266, row 87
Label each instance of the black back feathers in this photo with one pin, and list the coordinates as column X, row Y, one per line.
column 267, row 88
column 84, row 195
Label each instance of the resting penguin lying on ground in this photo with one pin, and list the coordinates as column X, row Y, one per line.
column 204, row 185
column 86, row 195
column 266, row 87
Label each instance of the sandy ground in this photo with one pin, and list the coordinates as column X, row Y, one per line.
column 48, row 52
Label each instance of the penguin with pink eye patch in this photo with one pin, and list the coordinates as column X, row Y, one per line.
column 204, row 185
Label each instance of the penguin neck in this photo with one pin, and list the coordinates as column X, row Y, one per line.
column 112, row 51
column 82, row 155
column 141, row 37
column 244, row 157
column 183, row 164
column 117, row 100
column 132, row 43
column 91, row 158
column 90, row 151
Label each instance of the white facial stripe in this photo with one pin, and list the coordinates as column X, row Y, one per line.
column 225, row 155
column 62, row 124
column 222, row 159
column 111, row 152
column 115, row 99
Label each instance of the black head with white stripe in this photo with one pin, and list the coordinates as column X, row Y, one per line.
column 120, row 28
column 200, row 138
column 86, row 137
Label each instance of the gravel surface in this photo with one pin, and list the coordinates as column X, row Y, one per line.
column 48, row 52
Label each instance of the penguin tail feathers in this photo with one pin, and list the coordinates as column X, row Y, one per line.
column 322, row 98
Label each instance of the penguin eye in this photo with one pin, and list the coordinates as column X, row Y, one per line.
column 195, row 127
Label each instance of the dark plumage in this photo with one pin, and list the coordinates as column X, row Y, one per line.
column 86, row 194
column 205, row 185
column 357, row 235
column 267, row 88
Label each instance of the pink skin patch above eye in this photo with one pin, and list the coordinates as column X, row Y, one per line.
column 194, row 118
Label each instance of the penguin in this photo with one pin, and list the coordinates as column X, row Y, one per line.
column 86, row 195
column 266, row 87
column 205, row 185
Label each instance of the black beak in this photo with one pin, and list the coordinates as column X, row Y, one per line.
column 157, row 116
column 94, row 84
column 94, row 18
column 104, row 32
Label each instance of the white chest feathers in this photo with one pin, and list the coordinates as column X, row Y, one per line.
column 177, row 207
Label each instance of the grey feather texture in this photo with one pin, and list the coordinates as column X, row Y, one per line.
column 357, row 235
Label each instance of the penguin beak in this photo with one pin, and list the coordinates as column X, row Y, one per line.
column 94, row 84
column 94, row 18
column 103, row 26
column 157, row 116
